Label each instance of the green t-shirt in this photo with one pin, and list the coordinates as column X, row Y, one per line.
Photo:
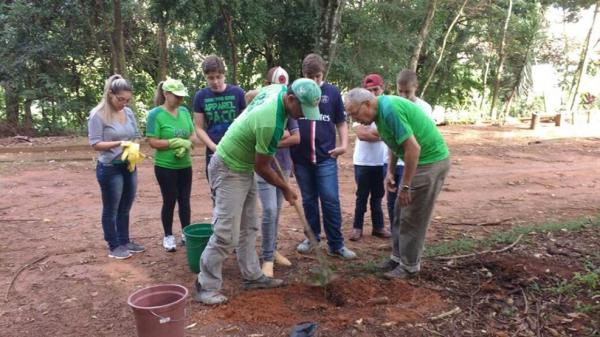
column 257, row 129
column 162, row 125
column 398, row 118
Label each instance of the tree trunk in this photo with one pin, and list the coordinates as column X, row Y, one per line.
column 439, row 60
column 231, row 37
column 501, row 58
column 330, row 18
column 423, row 33
column 269, row 57
column 117, row 37
column 28, row 118
column 517, row 83
column 11, row 99
column 582, row 66
column 483, row 92
column 163, row 53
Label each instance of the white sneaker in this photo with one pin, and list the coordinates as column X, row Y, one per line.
column 183, row 239
column 169, row 243
column 305, row 247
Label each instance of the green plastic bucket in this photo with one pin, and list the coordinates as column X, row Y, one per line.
column 196, row 239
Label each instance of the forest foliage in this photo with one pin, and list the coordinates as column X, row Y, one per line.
column 56, row 54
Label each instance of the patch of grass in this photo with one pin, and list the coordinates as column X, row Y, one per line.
column 369, row 267
column 451, row 247
column 465, row 246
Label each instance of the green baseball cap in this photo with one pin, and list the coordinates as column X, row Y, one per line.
column 308, row 94
column 175, row 87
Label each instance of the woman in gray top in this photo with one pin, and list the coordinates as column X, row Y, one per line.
column 111, row 126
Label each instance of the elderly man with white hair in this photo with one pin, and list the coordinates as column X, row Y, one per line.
column 412, row 136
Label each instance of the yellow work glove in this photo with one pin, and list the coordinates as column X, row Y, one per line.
column 132, row 154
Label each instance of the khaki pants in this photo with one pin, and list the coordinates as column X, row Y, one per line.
column 234, row 225
column 411, row 222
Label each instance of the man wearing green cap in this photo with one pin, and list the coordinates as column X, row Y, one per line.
column 247, row 147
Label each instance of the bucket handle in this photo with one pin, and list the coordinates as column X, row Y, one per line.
column 163, row 320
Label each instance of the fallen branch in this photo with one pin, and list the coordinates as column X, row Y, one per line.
column 22, row 139
column 456, row 310
column 432, row 331
column 525, row 299
column 479, row 224
column 489, row 251
column 14, row 278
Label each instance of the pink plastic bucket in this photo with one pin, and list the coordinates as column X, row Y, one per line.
column 159, row 310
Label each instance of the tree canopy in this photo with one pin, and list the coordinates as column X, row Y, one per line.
column 57, row 54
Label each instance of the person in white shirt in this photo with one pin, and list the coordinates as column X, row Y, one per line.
column 406, row 86
column 368, row 170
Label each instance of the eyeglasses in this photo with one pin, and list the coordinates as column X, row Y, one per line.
column 358, row 110
column 374, row 89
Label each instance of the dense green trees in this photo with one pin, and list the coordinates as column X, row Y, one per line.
column 56, row 54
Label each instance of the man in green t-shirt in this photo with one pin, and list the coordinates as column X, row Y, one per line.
column 411, row 135
column 247, row 147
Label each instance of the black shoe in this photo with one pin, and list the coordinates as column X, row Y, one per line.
column 262, row 282
column 388, row 265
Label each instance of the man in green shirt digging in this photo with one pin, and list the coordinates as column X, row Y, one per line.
column 247, row 147
column 411, row 135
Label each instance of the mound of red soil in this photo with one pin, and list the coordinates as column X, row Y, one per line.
column 344, row 301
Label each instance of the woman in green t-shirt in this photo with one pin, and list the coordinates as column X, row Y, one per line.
column 170, row 131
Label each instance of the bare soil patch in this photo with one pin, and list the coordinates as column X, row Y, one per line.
column 500, row 178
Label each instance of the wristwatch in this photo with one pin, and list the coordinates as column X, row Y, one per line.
column 405, row 188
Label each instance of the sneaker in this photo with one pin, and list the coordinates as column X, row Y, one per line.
column 209, row 297
column 119, row 253
column 388, row 265
column 343, row 253
column 263, row 282
column 356, row 234
column 305, row 247
column 398, row 273
column 381, row 233
column 169, row 243
column 183, row 239
column 133, row 247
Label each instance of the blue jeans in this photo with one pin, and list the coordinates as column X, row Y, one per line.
column 369, row 181
column 271, row 199
column 118, row 187
column 320, row 183
column 391, row 197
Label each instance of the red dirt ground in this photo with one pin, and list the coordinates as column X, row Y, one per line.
column 50, row 205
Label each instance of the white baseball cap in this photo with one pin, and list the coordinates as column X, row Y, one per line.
column 278, row 75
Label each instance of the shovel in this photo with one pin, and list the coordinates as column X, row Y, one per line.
column 322, row 274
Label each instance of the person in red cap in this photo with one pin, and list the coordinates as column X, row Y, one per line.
column 369, row 170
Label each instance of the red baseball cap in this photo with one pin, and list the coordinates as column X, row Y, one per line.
column 372, row 80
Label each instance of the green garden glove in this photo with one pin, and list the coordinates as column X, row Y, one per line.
column 175, row 143
column 180, row 152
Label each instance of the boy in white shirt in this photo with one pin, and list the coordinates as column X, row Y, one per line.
column 368, row 170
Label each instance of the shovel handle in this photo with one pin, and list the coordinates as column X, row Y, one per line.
column 307, row 229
